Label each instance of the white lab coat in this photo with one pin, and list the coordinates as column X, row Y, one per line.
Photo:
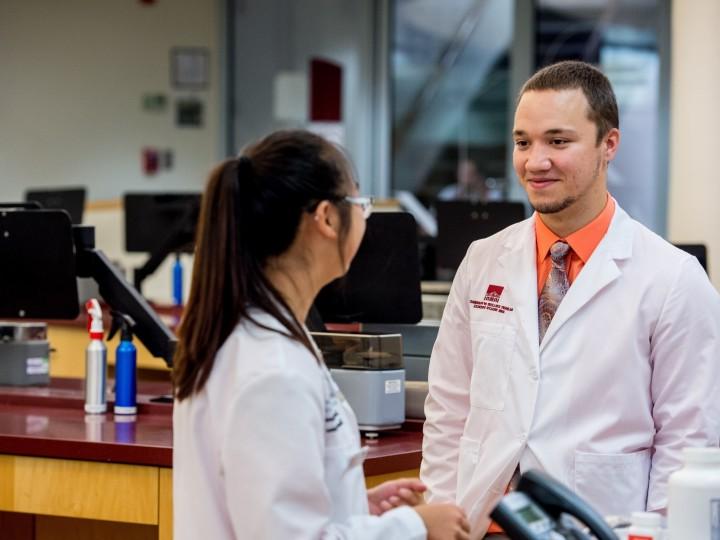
column 627, row 374
column 269, row 449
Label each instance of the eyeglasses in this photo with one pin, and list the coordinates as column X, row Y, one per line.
column 366, row 203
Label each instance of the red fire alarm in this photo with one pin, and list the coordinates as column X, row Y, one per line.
column 150, row 160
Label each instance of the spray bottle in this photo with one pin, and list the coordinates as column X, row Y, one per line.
column 125, row 363
column 95, row 361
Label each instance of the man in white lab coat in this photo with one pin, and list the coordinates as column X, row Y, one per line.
column 577, row 342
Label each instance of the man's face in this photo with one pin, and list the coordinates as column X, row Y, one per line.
column 556, row 157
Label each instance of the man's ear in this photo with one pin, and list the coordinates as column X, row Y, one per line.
column 612, row 142
column 325, row 219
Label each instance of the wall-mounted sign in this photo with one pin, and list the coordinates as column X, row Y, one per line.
column 154, row 102
column 189, row 112
column 190, row 68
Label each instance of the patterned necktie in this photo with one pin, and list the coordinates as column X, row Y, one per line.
column 555, row 287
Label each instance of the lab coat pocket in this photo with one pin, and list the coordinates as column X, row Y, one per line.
column 613, row 483
column 467, row 462
column 493, row 347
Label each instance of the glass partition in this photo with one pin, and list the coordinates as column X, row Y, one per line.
column 449, row 67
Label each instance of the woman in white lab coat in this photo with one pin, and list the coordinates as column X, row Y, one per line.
column 265, row 446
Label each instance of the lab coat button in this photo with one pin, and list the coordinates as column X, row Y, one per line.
column 534, row 374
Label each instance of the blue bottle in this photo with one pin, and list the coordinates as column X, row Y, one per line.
column 125, row 365
column 177, row 275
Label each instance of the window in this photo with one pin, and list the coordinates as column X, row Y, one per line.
column 449, row 67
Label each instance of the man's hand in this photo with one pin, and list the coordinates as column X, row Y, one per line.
column 444, row 521
column 393, row 493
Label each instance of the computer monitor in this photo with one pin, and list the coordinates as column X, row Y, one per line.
column 156, row 221
column 462, row 222
column 39, row 281
column 698, row 250
column 159, row 224
column 70, row 199
column 383, row 283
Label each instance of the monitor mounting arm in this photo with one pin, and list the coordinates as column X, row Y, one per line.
column 121, row 296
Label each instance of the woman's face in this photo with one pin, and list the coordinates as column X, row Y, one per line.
column 356, row 231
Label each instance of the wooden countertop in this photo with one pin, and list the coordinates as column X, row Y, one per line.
column 50, row 422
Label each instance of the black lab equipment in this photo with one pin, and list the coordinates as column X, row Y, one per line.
column 541, row 508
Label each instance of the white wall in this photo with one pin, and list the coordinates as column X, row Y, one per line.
column 72, row 77
column 694, row 202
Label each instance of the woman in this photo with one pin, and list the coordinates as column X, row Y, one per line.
column 264, row 444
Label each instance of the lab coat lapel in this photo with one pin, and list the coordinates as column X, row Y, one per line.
column 600, row 270
column 518, row 257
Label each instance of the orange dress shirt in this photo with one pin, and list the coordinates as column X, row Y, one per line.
column 582, row 244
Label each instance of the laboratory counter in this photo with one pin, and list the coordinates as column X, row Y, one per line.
column 105, row 473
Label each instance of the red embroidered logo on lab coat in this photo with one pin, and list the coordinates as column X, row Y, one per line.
column 492, row 300
column 493, row 294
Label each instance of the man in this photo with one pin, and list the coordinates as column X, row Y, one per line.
column 576, row 342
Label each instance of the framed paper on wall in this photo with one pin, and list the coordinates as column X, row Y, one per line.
column 189, row 68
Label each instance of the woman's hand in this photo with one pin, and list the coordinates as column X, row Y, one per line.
column 394, row 493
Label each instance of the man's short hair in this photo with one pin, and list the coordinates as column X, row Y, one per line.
column 571, row 74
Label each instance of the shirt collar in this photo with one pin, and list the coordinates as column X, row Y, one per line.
column 583, row 241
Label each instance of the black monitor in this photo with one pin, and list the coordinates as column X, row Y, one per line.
column 462, row 222
column 70, row 199
column 159, row 224
column 698, row 250
column 37, row 276
column 154, row 221
column 383, row 283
